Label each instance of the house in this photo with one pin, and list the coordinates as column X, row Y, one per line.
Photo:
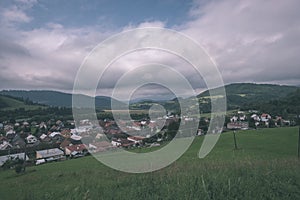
column 31, row 139
column 265, row 117
column 78, row 149
column 18, row 142
column 59, row 123
column 99, row 146
column 55, row 128
column 237, row 125
column 56, row 137
column 8, row 127
column 2, row 139
column 200, row 132
column 5, row 145
column 3, row 159
column 43, row 136
column 120, row 142
column 66, row 133
column 50, row 154
column 43, row 125
column 116, row 142
column 242, row 117
column 65, row 143
column 10, row 134
column 25, row 123
column 53, row 134
column 234, row 119
column 255, row 117
column 136, row 139
column 76, row 137
column 33, row 123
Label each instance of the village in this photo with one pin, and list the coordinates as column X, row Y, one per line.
column 57, row 140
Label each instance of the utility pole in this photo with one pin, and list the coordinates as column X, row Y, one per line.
column 234, row 138
column 298, row 142
column 24, row 161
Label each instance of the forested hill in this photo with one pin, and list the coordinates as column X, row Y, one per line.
column 241, row 94
column 59, row 99
column 11, row 103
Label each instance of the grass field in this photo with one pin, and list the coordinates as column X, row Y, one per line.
column 264, row 167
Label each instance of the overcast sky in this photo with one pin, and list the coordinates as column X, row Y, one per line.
column 43, row 43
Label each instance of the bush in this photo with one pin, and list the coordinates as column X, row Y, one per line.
column 19, row 168
column 8, row 164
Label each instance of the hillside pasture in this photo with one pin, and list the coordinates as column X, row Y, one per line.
column 265, row 166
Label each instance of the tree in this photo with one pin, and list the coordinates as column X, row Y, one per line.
column 271, row 123
column 252, row 123
column 14, row 163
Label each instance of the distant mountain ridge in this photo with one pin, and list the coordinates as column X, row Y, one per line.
column 60, row 99
column 237, row 94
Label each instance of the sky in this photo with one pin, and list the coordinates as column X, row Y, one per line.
column 43, row 43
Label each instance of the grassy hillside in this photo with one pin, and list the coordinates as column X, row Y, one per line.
column 264, row 167
column 10, row 103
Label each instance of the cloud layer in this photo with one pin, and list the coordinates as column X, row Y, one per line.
column 250, row 40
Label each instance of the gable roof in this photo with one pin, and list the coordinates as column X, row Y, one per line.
column 65, row 143
column 77, row 147
column 265, row 115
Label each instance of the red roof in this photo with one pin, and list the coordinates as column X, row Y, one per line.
column 77, row 147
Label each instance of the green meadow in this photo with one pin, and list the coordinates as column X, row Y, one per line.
column 265, row 166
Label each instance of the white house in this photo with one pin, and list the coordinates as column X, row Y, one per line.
column 54, row 134
column 234, row 119
column 255, row 117
column 31, row 139
column 25, row 123
column 200, row 132
column 243, row 117
column 76, row 137
column 265, row 117
column 43, row 136
column 116, row 143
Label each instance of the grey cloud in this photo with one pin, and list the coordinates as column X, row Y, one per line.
column 9, row 48
column 251, row 40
